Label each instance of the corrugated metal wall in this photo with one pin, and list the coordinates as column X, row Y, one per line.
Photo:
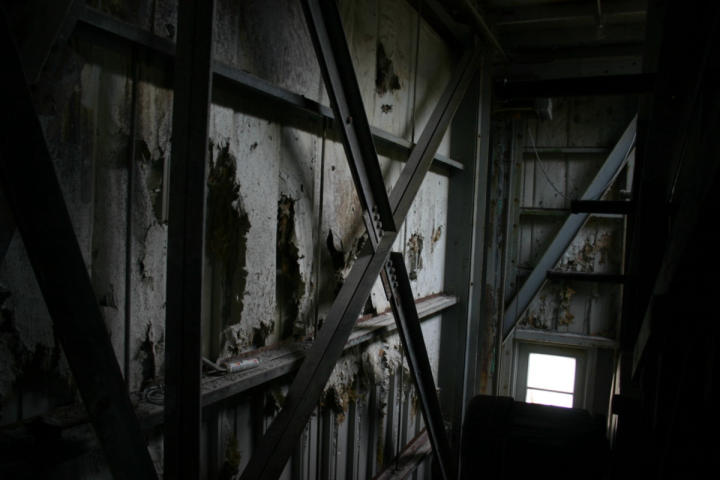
column 283, row 224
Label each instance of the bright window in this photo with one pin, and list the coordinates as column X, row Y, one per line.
column 550, row 379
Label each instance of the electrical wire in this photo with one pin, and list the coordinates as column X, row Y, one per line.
column 542, row 167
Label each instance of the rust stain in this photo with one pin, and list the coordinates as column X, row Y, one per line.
column 436, row 235
column 414, row 253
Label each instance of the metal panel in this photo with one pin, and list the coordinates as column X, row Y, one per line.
column 569, row 229
column 279, row 442
column 26, row 168
column 186, row 228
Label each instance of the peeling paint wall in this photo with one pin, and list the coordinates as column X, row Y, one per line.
column 283, row 224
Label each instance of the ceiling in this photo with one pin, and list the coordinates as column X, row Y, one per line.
column 554, row 39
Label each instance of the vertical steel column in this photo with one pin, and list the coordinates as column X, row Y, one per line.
column 33, row 193
column 186, row 228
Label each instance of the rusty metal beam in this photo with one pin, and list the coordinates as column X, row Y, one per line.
column 281, row 438
column 186, row 229
column 33, row 192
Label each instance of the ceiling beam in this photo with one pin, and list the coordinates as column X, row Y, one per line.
column 566, row 87
column 573, row 37
column 570, row 14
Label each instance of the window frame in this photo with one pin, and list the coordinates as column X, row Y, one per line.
column 524, row 349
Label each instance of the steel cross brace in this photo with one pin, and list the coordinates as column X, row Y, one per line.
column 569, row 229
column 33, row 193
column 280, row 440
column 326, row 30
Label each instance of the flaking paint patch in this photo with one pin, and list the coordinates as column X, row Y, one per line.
column 565, row 294
column 414, row 255
column 594, row 249
column 342, row 387
column 154, row 178
column 551, row 306
column 289, row 284
column 39, row 368
column 342, row 261
column 227, row 226
column 146, row 357
column 436, row 235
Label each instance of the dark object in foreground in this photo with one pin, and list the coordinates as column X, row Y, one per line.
column 506, row 439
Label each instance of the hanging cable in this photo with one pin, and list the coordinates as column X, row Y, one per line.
column 542, row 167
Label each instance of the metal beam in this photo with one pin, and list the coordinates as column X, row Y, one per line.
column 586, row 277
column 467, row 11
column 37, row 33
column 35, row 197
column 407, row 461
column 567, row 232
column 577, row 53
column 257, row 87
column 328, row 37
column 571, row 14
column 406, row 317
column 570, row 37
column 436, row 15
column 601, row 206
column 566, row 87
column 281, row 438
column 326, row 30
column 186, row 228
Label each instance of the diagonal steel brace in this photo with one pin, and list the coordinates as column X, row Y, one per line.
column 326, row 31
column 280, row 440
column 32, row 191
column 403, row 306
column 615, row 159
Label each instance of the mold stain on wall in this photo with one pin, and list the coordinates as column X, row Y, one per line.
column 386, row 80
column 227, row 226
column 289, row 285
